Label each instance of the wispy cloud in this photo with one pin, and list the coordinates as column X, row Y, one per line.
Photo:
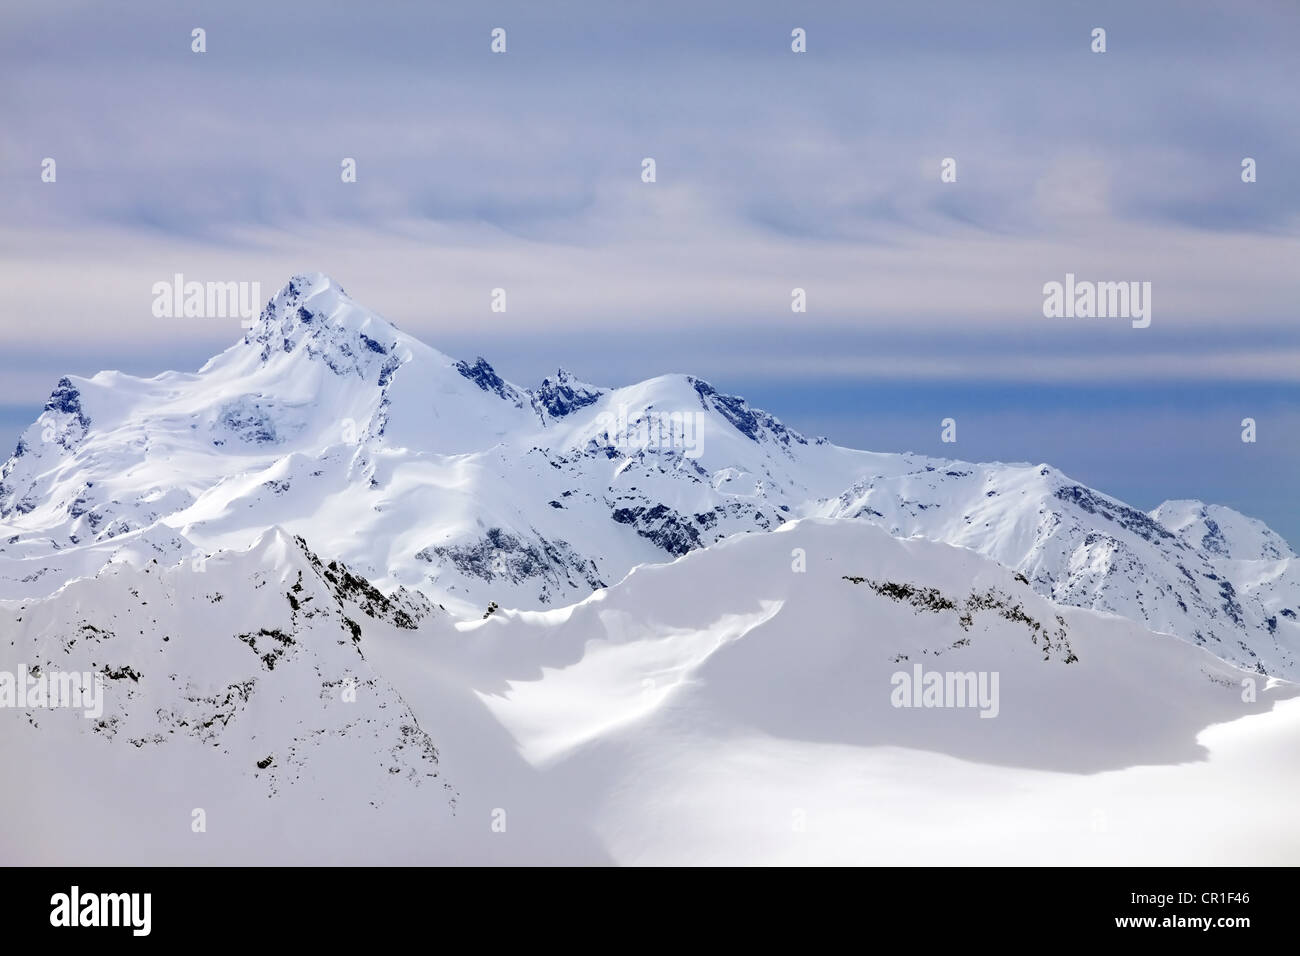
column 775, row 171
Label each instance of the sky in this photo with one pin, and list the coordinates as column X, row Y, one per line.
column 775, row 170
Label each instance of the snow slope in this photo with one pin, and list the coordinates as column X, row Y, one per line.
column 716, row 719
column 735, row 705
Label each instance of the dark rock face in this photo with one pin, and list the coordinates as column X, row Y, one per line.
column 250, row 421
column 1213, row 541
column 65, row 398
column 563, row 396
column 753, row 423
column 485, row 377
column 501, row 555
column 1054, row 639
column 662, row 526
column 1129, row 518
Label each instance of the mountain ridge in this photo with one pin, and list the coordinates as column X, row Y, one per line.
column 438, row 475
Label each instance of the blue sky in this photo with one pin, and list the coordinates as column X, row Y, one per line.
column 775, row 170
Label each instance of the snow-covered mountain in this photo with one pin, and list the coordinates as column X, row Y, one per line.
column 358, row 601
column 422, row 471
column 1221, row 532
column 244, row 673
column 1086, row 549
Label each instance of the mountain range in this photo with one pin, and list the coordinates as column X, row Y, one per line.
column 648, row 623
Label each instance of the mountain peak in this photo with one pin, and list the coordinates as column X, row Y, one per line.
column 303, row 299
column 1220, row 531
column 312, row 314
column 307, row 284
column 564, row 394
